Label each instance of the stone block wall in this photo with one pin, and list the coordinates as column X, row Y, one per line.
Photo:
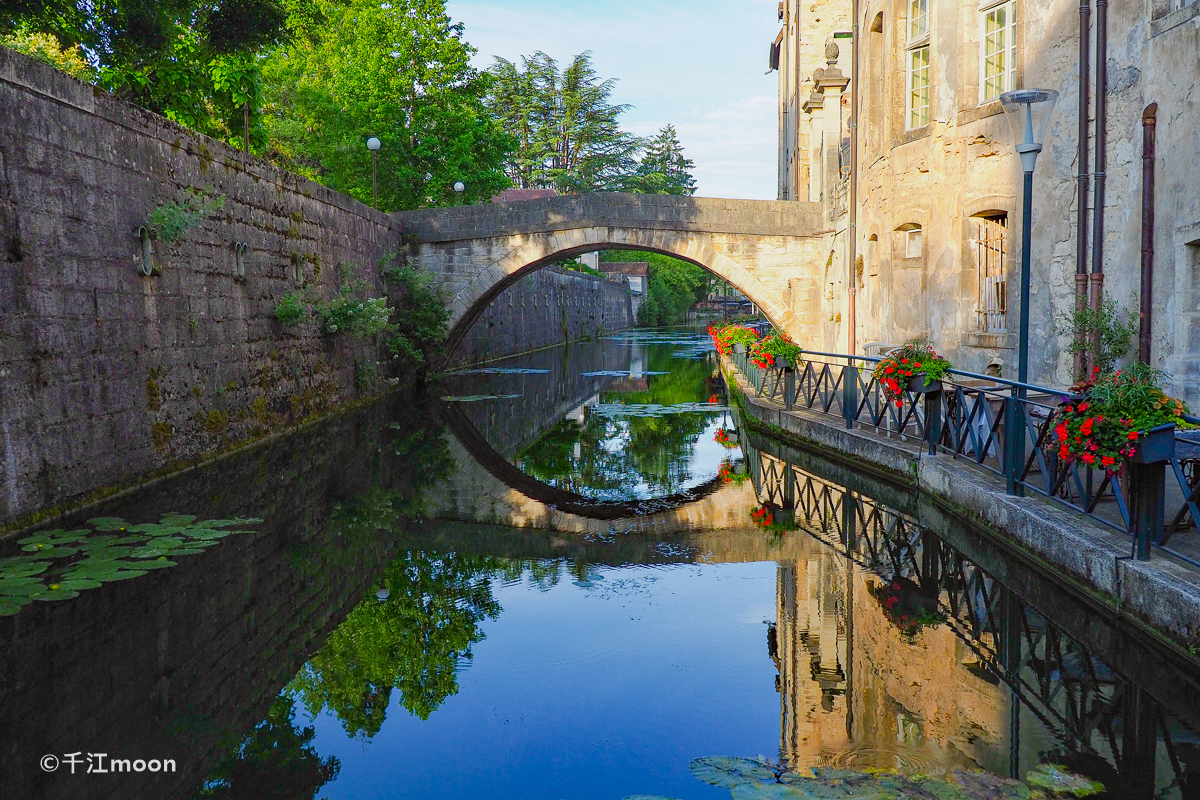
column 544, row 309
column 106, row 375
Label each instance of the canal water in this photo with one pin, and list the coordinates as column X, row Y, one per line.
column 569, row 574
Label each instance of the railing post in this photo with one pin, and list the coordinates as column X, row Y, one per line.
column 849, row 394
column 1147, row 500
column 1014, row 443
column 933, row 419
column 789, row 388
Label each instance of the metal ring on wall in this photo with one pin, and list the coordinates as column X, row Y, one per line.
column 146, row 268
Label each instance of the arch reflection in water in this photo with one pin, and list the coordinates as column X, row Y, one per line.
column 630, row 418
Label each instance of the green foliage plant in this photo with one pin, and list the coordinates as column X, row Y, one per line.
column 290, row 309
column 171, row 220
column 358, row 318
column 46, row 47
column 1102, row 429
column 423, row 317
column 914, row 357
column 1102, row 335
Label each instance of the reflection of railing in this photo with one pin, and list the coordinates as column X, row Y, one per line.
column 968, row 419
column 1095, row 712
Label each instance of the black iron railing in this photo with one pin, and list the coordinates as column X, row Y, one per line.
column 968, row 417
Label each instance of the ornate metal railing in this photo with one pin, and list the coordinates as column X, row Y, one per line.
column 969, row 419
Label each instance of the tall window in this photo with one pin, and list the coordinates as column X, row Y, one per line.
column 916, row 54
column 991, row 253
column 997, row 51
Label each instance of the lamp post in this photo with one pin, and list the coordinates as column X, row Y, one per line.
column 373, row 145
column 1028, row 112
column 459, row 188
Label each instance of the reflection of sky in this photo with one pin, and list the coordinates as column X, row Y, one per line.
column 602, row 691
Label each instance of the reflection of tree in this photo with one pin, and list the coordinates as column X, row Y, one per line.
column 412, row 641
column 273, row 760
column 621, row 452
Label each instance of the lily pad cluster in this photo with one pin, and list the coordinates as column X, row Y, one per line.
column 759, row 779
column 59, row 564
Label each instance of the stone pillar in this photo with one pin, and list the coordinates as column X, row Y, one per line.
column 814, row 108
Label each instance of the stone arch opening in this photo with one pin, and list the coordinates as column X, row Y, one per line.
column 469, row 303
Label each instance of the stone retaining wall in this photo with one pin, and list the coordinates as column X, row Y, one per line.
column 547, row 308
column 107, row 376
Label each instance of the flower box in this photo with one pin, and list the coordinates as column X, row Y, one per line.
column 917, row 384
column 1156, row 444
column 739, row 348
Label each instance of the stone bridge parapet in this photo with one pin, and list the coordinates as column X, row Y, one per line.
column 771, row 251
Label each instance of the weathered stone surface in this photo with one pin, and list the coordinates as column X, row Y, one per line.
column 106, row 375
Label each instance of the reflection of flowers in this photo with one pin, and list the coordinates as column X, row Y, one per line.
column 906, row 607
column 713, row 400
column 723, row 438
column 771, row 519
column 727, row 473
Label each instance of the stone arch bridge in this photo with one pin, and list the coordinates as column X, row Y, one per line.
column 771, row 251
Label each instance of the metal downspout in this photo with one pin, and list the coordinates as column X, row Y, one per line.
column 852, row 200
column 1147, row 305
column 1097, row 281
column 1081, row 224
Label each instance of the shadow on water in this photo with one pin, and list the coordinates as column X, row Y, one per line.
column 347, row 643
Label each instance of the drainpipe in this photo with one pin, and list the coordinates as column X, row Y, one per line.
column 1081, row 251
column 1097, row 282
column 1148, row 120
column 852, row 200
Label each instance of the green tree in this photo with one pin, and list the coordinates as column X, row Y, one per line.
column 567, row 129
column 276, row 759
column 412, row 641
column 399, row 71
column 192, row 61
column 673, row 288
column 663, row 168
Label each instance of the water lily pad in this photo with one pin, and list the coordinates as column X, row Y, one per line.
column 21, row 567
column 647, row 797
column 812, row 790
column 108, row 523
column 55, row 592
column 11, row 605
column 178, row 519
column 730, row 771
column 50, row 551
column 1056, row 779
column 78, row 584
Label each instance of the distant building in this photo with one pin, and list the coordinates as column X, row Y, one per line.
column 635, row 273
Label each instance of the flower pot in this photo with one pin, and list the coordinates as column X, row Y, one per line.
column 739, row 348
column 917, row 384
column 1156, row 444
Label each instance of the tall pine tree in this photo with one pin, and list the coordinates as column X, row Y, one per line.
column 664, row 169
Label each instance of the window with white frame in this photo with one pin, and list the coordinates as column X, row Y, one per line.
column 997, row 50
column 916, row 105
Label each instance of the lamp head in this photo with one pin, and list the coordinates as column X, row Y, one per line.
column 459, row 187
column 1028, row 112
column 373, row 144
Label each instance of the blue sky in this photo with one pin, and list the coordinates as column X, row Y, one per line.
column 697, row 64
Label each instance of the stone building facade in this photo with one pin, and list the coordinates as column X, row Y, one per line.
column 939, row 184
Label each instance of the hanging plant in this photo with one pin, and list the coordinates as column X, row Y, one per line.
column 1121, row 416
column 725, row 338
column 914, row 366
column 777, row 350
column 726, row 438
column 907, row 607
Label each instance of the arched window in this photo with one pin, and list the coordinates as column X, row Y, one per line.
column 990, row 236
column 916, row 56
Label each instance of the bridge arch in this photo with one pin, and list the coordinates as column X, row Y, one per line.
column 542, row 250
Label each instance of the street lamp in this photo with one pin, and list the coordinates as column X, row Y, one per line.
column 1028, row 112
column 373, row 145
column 459, row 188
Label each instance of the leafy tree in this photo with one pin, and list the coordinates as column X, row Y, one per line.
column 412, row 641
column 663, row 168
column 566, row 127
column 192, row 61
column 276, row 759
column 399, row 71
column 674, row 285
column 45, row 47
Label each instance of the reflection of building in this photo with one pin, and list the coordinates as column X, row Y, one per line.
column 855, row 691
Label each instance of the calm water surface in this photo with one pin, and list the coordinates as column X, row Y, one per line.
column 564, row 575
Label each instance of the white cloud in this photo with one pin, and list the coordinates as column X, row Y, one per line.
column 698, row 65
